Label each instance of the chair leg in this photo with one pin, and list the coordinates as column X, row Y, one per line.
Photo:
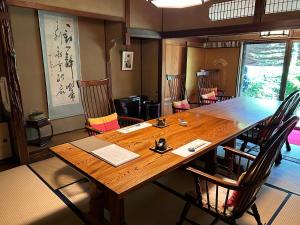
column 278, row 159
column 243, row 146
column 185, row 211
column 256, row 214
column 233, row 222
column 288, row 146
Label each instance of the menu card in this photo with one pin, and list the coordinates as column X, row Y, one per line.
column 134, row 127
column 108, row 152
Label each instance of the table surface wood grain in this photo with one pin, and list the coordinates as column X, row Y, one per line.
column 217, row 123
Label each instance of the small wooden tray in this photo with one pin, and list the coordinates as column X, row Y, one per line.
column 161, row 152
column 156, row 125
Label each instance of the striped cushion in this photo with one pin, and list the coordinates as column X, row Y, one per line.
column 182, row 104
column 105, row 123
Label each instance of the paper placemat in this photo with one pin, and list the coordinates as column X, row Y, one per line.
column 115, row 155
column 197, row 144
column 134, row 127
column 90, row 144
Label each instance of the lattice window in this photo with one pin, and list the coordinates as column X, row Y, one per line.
column 232, row 9
column 276, row 6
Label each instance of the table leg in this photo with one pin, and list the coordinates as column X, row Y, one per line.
column 115, row 207
column 211, row 162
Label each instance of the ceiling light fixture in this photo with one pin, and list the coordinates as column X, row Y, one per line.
column 176, row 3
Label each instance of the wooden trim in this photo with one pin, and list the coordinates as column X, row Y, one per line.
column 143, row 33
column 127, row 13
column 160, row 72
column 41, row 6
column 235, row 29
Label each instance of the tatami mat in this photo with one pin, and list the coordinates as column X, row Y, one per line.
column 79, row 195
column 25, row 199
column 290, row 214
column 286, row 176
column 145, row 207
column 55, row 172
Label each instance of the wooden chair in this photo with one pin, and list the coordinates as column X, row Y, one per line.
column 207, row 81
column 213, row 193
column 261, row 133
column 178, row 91
column 97, row 102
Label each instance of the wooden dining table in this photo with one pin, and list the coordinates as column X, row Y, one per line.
column 217, row 123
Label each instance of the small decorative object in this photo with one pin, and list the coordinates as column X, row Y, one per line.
column 127, row 60
column 161, row 123
column 161, row 146
column 182, row 122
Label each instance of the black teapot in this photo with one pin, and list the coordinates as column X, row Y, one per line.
column 161, row 144
column 161, row 122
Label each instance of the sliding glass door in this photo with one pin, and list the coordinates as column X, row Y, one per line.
column 262, row 69
column 270, row 70
column 293, row 78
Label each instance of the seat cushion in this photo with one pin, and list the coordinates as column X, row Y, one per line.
column 209, row 198
column 204, row 91
column 182, row 104
column 105, row 123
column 210, row 95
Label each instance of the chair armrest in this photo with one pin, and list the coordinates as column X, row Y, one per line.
column 239, row 153
column 194, row 103
column 137, row 120
column 215, row 180
column 93, row 131
column 179, row 109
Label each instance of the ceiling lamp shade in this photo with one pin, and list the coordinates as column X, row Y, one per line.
column 176, row 3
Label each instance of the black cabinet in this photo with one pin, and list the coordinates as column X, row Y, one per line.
column 137, row 107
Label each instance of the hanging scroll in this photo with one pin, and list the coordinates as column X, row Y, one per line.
column 60, row 46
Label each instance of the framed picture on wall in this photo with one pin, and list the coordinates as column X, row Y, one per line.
column 127, row 60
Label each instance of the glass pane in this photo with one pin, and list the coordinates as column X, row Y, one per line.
column 262, row 70
column 293, row 82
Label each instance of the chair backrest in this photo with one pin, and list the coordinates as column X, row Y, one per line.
column 283, row 113
column 96, row 98
column 207, row 79
column 260, row 169
column 177, row 87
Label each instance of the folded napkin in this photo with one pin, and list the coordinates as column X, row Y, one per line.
column 196, row 145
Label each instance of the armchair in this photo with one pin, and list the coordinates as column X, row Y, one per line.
column 228, row 199
column 98, row 102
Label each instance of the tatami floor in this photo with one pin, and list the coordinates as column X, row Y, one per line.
column 278, row 201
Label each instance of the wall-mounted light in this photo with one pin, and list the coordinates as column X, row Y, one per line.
column 275, row 33
column 176, row 3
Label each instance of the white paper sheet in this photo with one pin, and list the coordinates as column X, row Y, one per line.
column 115, row 155
column 134, row 127
column 197, row 144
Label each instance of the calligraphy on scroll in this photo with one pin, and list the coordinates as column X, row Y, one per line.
column 60, row 45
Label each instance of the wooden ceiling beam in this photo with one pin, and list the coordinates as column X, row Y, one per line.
column 235, row 29
column 41, row 6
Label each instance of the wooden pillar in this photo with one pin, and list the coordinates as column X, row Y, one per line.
column 9, row 58
column 260, row 7
column 126, row 25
